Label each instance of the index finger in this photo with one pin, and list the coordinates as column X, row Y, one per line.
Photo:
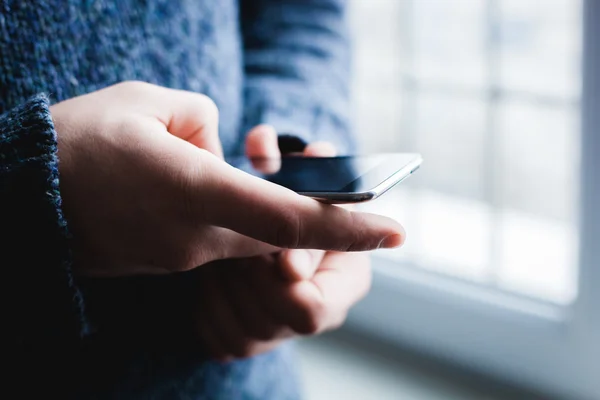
column 340, row 282
column 233, row 199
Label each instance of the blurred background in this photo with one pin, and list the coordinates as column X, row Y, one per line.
column 494, row 294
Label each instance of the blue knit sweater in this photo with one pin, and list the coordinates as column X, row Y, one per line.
column 283, row 62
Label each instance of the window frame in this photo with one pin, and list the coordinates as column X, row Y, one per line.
column 541, row 346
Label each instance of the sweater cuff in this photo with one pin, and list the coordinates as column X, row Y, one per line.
column 43, row 301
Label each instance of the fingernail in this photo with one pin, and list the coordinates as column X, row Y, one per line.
column 391, row 242
column 300, row 262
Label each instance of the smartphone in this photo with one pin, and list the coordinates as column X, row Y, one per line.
column 334, row 180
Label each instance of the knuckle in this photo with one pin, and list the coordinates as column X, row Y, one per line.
column 355, row 242
column 208, row 105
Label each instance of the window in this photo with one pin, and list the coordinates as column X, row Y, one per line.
column 490, row 92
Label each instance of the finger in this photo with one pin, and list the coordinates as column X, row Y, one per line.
column 192, row 117
column 300, row 264
column 262, row 142
column 320, row 149
column 255, row 321
column 311, row 307
column 262, row 210
column 286, row 310
column 267, row 166
column 262, row 149
column 342, row 280
column 271, row 292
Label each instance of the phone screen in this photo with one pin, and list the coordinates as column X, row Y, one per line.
column 327, row 174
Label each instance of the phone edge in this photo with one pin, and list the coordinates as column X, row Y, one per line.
column 361, row 197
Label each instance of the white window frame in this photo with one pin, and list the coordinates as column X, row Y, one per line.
column 541, row 346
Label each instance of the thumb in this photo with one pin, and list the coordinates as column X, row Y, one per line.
column 261, row 142
column 262, row 149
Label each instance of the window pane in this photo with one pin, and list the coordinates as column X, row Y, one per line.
column 380, row 124
column 538, row 182
column 449, row 41
column 377, row 72
column 539, row 46
column 539, row 153
column 450, row 133
column 442, row 207
column 446, row 234
column 378, row 41
column 492, row 103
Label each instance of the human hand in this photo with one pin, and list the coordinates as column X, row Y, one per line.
column 247, row 307
column 262, row 148
column 144, row 195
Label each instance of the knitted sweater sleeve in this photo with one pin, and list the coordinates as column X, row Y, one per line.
column 297, row 64
column 41, row 304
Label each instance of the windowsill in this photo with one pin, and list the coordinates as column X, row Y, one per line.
column 504, row 249
column 347, row 365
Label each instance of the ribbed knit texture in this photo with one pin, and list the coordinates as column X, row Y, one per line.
column 283, row 62
column 33, row 227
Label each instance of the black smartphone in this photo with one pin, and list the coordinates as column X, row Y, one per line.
column 334, row 180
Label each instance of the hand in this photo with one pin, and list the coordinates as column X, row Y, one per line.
column 262, row 148
column 145, row 192
column 249, row 306
column 245, row 307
